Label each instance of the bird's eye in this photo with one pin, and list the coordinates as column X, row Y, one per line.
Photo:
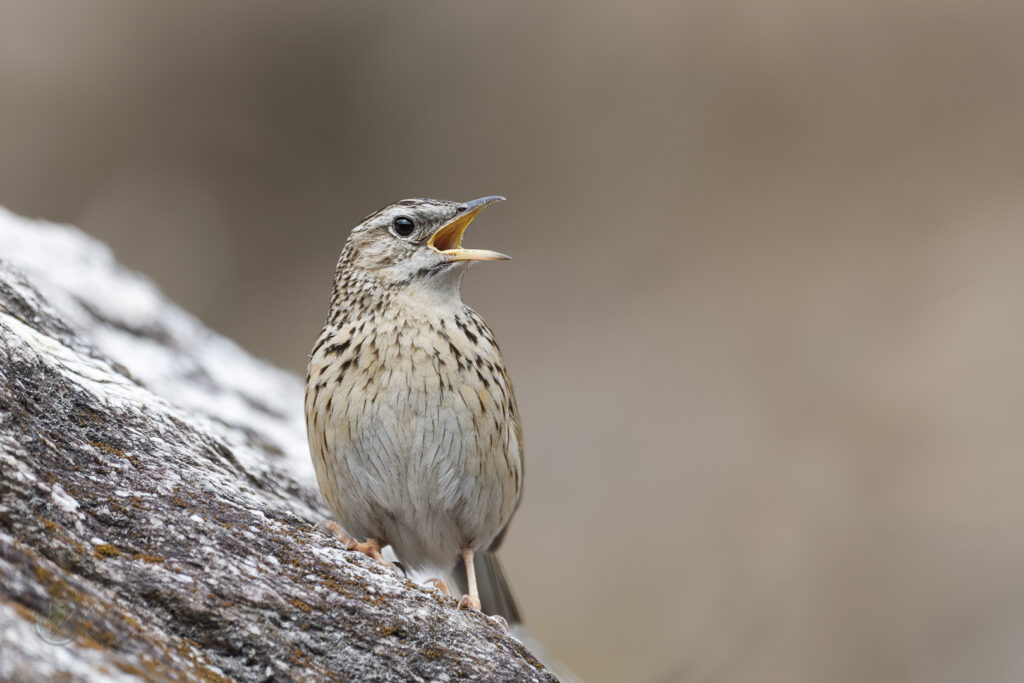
column 403, row 227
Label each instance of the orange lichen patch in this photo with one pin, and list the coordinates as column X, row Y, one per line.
column 300, row 658
column 43, row 575
column 56, row 586
column 130, row 668
column 375, row 600
column 107, row 448
column 84, row 417
column 334, row 586
column 95, row 638
column 152, row 559
column 399, row 632
column 131, row 621
column 301, row 605
column 114, row 450
column 106, row 550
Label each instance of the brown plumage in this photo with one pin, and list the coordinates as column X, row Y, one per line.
column 411, row 418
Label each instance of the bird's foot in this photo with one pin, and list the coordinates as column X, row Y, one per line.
column 370, row 547
column 468, row 602
column 440, row 585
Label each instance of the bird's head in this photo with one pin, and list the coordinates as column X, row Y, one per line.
column 414, row 242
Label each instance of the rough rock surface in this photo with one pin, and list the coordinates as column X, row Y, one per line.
column 157, row 503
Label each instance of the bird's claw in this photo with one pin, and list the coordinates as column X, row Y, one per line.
column 468, row 602
column 328, row 527
column 371, row 547
column 440, row 585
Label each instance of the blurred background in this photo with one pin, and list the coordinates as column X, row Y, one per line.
column 764, row 314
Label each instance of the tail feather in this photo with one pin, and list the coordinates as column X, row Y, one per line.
column 495, row 593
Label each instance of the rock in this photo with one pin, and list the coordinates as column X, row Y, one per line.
column 157, row 503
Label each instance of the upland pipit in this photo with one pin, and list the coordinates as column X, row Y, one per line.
column 410, row 415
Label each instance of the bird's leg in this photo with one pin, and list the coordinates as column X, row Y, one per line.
column 440, row 585
column 473, row 599
column 371, row 547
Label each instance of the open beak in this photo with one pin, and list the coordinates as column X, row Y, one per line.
column 448, row 238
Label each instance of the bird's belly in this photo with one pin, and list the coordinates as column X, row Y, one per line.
column 414, row 469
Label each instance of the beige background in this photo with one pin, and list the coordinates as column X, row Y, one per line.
column 764, row 312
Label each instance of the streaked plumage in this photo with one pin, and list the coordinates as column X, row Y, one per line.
column 411, row 418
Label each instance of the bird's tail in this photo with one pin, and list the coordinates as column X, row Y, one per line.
column 495, row 593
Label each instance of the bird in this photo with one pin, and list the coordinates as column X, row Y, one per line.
column 411, row 418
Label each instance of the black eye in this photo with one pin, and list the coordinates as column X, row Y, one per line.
column 403, row 227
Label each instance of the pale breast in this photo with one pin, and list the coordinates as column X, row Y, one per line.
column 414, row 432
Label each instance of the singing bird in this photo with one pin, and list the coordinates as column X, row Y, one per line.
column 412, row 424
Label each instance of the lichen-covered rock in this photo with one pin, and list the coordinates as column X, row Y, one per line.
column 157, row 503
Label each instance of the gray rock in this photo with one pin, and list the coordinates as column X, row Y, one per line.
column 157, row 503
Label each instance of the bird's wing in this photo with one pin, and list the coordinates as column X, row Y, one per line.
column 515, row 442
